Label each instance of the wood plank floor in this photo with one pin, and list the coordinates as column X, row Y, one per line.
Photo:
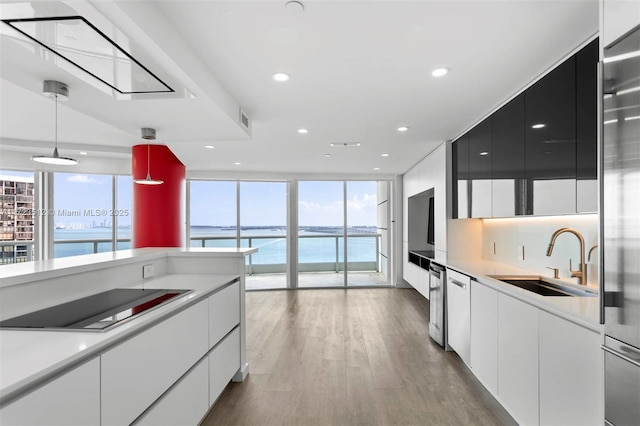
column 350, row 357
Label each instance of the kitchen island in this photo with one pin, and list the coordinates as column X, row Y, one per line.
column 167, row 365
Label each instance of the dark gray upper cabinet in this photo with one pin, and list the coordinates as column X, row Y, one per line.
column 460, row 174
column 480, row 169
column 508, row 165
column 480, row 151
column 537, row 154
column 507, row 130
column 586, row 110
column 550, row 124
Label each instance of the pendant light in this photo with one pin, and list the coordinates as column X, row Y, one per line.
column 149, row 135
column 59, row 91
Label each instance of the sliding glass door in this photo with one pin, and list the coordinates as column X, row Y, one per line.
column 263, row 224
column 321, row 222
column 364, row 232
column 329, row 212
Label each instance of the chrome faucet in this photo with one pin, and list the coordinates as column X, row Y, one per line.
column 581, row 274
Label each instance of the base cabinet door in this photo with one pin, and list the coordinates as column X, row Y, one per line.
column 459, row 314
column 570, row 373
column 185, row 403
column 518, row 359
column 484, row 336
column 224, row 362
column 137, row 372
column 72, row 399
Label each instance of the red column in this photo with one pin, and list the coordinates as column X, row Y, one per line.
column 158, row 210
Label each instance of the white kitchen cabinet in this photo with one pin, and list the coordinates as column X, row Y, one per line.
column 71, row 399
column 224, row 361
column 224, row 312
column 518, row 359
column 484, row 336
column 185, row 403
column 570, row 373
column 138, row 371
column 459, row 314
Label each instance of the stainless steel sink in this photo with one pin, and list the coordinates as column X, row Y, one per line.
column 544, row 286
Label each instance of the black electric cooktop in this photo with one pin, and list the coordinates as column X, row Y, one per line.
column 99, row 312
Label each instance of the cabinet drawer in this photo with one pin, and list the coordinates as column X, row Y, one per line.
column 137, row 372
column 72, row 399
column 224, row 362
column 224, row 312
column 184, row 404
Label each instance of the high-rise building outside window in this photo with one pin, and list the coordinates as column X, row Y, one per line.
column 16, row 216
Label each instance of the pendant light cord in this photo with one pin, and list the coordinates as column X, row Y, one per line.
column 56, row 123
column 148, row 159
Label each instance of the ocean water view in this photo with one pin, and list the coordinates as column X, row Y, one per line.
column 316, row 245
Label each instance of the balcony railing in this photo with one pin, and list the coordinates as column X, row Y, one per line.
column 324, row 257
column 316, row 253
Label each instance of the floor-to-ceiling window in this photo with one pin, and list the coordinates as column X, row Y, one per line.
column 213, row 213
column 263, row 224
column 364, row 263
column 254, row 214
column 321, row 220
column 82, row 214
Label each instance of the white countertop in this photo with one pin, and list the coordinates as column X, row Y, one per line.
column 580, row 310
column 19, row 273
column 30, row 357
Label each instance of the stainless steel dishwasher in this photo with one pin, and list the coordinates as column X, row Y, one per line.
column 437, row 304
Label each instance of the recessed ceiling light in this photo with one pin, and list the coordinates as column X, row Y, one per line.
column 281, row 76
column 439, row 72
column 403, row 128
column 303, row 131
column 376, row 168
column 538, row 126
column 384, row 155
column 83, row 153
column 327, row 155
column 237, row 164
column 209, row 146
column 483, row 153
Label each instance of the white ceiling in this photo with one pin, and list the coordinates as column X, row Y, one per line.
column 359, row 69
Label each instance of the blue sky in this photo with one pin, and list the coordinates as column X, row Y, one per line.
column 214, row 202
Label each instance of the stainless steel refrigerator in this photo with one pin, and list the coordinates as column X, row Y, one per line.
column 620, row 222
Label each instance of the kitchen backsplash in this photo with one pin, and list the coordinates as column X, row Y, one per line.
column 531, row 236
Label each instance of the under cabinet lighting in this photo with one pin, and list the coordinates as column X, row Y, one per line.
column 635, row 117
column 403, row 128
column 237, row 164
column 209, row 146
column 538, row 126
column 83, row 153
column 483, row 153
column 615, row 120
column 303, row 131
column 384, row 155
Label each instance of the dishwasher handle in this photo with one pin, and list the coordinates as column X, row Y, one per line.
column 458, row 283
